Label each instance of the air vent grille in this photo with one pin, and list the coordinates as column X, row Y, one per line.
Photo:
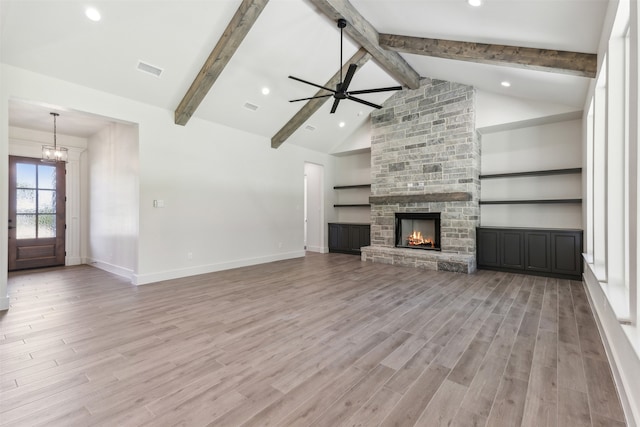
column 250, row 106
column 148, row 68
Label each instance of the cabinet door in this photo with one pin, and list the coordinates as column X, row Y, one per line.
column 354, row 237
column 537, row 251
column 512, row 249
column 343, row 237
column 358, row 237
column 339, row 237
column 365, row 235
column 333, row 236
column 566, row 248
column 487, row 241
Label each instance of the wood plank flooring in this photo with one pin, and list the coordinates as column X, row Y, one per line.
column 325, row 340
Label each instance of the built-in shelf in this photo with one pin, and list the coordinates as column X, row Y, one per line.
column 531, row 202
column 342, row 187
column 533, row 173
column 459, row 196
column 351, row 205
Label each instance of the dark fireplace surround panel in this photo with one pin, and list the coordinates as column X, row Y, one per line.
column 418, row 230
column 425, row 159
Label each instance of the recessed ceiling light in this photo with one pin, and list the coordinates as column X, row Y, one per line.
column 505, row 84
column 93, row 14
column 474, row 3
column 265, row 91
column 341, row 124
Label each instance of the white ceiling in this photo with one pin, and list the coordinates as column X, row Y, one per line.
column 290, row 38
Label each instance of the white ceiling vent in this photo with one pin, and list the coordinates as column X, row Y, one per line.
column 309, row 128
column 250, row 106
column 148, row 68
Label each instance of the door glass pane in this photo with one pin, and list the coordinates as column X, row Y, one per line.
column 25, row 175
column 25, row 226
column 26, row 201
column 46, row 226
column 47, row 177
column 46, row 201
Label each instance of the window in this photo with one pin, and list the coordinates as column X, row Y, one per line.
column 35, row 201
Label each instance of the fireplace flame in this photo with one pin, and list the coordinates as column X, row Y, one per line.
column 416, row 239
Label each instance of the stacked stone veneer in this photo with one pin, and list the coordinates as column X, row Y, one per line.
column 425, row 157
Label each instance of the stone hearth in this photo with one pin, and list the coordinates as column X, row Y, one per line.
column 425, row 157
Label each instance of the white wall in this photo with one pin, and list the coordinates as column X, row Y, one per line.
column 230, row 199
column 532, row 148
column 359, row 141
column 493, row 109
column 112, row 238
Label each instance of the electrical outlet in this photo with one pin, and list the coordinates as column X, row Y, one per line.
column 189, row 255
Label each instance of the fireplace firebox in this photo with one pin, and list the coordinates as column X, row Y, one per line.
column 418, row 230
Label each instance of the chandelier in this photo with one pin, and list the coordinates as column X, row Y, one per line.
column 54, row 153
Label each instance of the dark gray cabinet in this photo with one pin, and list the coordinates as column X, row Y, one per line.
column 537, row 251
column 511, row 249
column 544, row 252
column 348, row 238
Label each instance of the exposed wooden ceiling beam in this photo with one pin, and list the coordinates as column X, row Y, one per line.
column 557, row 61
column 238, row 28
column 360, row 30
column 359, row 58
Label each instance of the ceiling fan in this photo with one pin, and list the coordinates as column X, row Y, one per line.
column 341, row 92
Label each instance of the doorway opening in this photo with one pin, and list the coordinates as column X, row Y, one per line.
column 36, row 213
column 314, row 207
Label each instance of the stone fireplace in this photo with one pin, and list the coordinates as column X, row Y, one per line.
column 425, row 159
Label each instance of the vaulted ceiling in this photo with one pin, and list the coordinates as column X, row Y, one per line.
column 291, row 37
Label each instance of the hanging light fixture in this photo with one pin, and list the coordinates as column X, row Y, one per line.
column 54, row 153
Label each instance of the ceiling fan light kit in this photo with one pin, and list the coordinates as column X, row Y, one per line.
column 341, row 92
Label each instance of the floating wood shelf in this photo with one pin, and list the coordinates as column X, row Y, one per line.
column 355, row 205
column 421, row 198
column 533, row 173
column 342, row 187
column 531, row 202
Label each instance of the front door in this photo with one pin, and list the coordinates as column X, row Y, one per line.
column 36, row 213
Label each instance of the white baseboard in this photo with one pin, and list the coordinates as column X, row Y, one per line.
column 114, row 269
column 73, row 261
column 145, row 279
column 319, row 249
column 624, row 361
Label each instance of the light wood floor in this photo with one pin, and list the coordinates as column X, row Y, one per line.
column 324, row 340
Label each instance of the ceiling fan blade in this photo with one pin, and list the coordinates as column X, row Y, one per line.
column 313, row 97
column 347, row 79
column 335, row 105
column 362, row 101
column 382, row 89
column 312, row 84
